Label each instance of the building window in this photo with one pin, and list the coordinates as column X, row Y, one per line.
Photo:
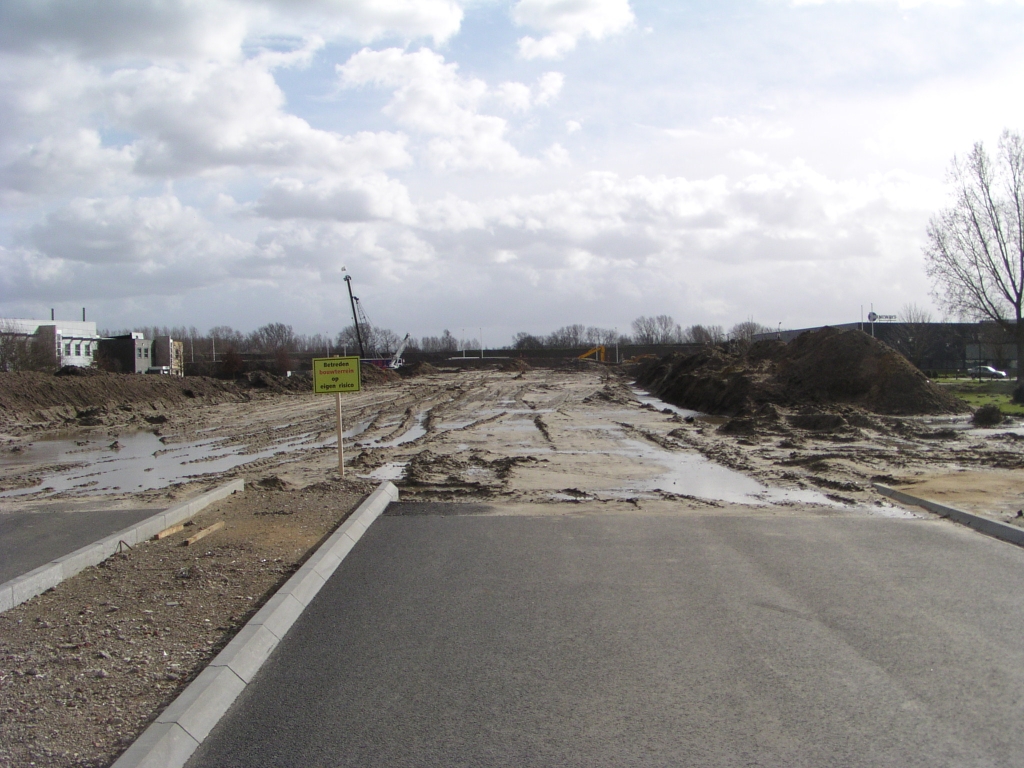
column 88, row 350
column 78, row 350
column 138, row 352
column 67, row 349
column 145, row 351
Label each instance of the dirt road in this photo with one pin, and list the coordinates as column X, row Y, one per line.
column 572, row 440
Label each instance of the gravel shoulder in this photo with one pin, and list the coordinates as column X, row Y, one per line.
column 86, row 666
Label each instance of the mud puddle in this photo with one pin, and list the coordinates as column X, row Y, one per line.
column 132, row 462
column 393, row 470
column 415, row 432
column 690, row 474
column 661, row 405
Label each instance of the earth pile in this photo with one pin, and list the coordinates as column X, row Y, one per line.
column 87, row 397
column 823, row 369
column 419, row 368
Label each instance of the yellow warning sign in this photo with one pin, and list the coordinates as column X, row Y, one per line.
column 335, row 374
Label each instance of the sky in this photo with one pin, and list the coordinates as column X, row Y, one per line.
column 490, row 165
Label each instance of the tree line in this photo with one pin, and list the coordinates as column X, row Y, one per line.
column 276, row 338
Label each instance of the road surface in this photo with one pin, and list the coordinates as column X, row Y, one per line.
column 31, row 539
column 813, row 639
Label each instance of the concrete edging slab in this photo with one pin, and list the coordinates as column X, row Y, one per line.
column 994, row 528
column 35, row 582
column 179, row 730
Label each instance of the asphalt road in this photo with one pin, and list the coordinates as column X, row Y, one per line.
column 645, row 641
column 31, row 539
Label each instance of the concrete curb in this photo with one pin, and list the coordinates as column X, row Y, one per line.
column 994, row 528
column 182, row 727
column 35, row 582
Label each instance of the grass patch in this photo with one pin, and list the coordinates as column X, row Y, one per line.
column 979, row 392
column 1004, row 402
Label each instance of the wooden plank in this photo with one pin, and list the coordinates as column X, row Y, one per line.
column 203, row 534
column 170, row 531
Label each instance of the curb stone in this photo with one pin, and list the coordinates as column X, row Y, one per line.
column 179, row 730
column 35, row 582
column 994, row 528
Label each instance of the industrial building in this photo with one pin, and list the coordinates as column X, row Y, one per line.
column 62, row 342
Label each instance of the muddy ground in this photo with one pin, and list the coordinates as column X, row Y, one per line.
column 84, row 667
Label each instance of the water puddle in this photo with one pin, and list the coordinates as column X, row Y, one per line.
column 415, row 432
column 661, row 405
column 393, row 470
column 357, row 430
column 690, row 474
column 139, row 462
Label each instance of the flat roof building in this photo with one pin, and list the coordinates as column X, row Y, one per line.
column 59, row 342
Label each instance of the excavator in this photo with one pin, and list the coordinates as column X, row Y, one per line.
column 597, row 352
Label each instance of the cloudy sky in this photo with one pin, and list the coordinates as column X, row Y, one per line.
column 511, row 165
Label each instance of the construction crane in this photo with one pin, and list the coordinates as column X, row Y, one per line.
column 597, row 352
column 355, row 317
column 363, row 327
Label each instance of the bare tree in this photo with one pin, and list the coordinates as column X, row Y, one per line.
column 914, row 336
column 523, row 340
column 645, row 330
column 975, row 251
column 567, row 337
column 273, row 337
column 446, row 342
column 661, row 329
column 704, row 334
column 22, row 352
column 747, row 330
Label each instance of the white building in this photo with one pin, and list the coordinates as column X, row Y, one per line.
column 72, row 342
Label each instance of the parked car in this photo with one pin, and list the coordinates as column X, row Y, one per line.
column 985, row 372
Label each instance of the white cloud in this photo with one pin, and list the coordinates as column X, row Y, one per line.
column 354, row 199
column 567, row 22
column 666, row 238
column 118, row 248
column 898, row 3
column 549, row 85
column 556, row 154
column 515, row 96
column 64, row 163
column 221, row 115
column 148, row 234
column 205, row 29
column 520, row 97
column 571, row 126
column 431, row 97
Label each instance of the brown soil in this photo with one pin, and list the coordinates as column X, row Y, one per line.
column 371, row 375
column 420, row 368
column 822, row 369
column 81, row 397
column 86, row 666
column 515, row 365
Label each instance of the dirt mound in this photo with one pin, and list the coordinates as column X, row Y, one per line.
column 46, row 397
column 514, row 366
column 820, row 368
column 87, row 397
column 75, row 370
column 420, row 368
column 371, row 375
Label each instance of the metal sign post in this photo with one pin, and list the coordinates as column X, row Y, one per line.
column 336, row 375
